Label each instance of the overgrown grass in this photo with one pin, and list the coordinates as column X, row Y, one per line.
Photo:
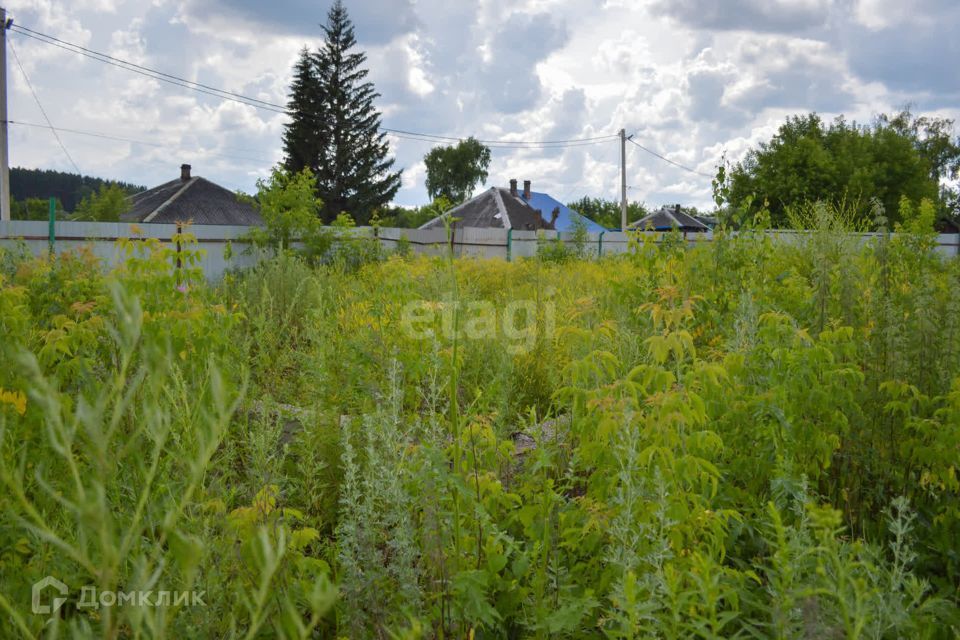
column 748, row 438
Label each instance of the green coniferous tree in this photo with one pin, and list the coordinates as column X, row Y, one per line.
column 303, row 139
column 356, row 177
column 336, row 127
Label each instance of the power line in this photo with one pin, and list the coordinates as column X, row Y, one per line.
column 439, row 138
column 570, row 192
column 105, row 136
column 157, row 76
column 42, row 110
column 668, row 160
column 277, row 108
column 137, row 66
column 499, row 144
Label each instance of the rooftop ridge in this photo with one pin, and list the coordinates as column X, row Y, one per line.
column 502, row 206
column 163, row 206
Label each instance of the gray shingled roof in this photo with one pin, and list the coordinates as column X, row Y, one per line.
column 666, row 218
column 195, row 199
column 495, row 208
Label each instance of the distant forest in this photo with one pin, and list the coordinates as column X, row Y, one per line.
column 68, row 188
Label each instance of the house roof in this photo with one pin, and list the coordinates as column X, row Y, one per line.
column 498, row 208
column 567, row 219
column 666, row 218
column 193, row 199
column 495, row 208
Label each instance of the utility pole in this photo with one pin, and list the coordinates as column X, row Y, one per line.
column 623, row 179
column 4, row 154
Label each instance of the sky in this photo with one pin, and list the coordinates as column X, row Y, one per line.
column 693, row 80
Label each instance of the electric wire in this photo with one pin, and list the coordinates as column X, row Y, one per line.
column 668, row 160
column 35, row 35
column 159, row 77
column 572, row 190
column 501, row 144
column 441, row 138
column 106, row 136
column 42, row 110
column 277, row 108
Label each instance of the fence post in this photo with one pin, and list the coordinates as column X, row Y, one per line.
column 52, row 231
column 510, row 244
column 179, row 249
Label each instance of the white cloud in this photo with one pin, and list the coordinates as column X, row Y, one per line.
column 750, row 15
column 414, row 176
column 690, row 78
column 128, row 44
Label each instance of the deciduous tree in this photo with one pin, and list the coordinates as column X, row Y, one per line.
column 105, row 205
column 607, row 212
column 807, row 160
column 454, row 171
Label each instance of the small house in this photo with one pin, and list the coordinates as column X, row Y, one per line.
column 669, row 218
column 191, row 199
column 510, row 208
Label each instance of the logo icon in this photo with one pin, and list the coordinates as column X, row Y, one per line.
column 40, row 586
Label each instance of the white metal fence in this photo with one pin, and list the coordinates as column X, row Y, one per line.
column 101, row 239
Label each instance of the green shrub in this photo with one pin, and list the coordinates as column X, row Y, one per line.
column 749, row 437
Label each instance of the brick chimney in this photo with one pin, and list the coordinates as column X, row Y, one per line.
column 184, row 172
column 676, row 209
column 513, row 186
column 526, row 189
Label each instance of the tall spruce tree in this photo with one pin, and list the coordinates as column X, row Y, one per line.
column 303, row 139
column 335, row 128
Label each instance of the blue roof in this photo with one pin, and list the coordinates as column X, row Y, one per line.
column 546, row 205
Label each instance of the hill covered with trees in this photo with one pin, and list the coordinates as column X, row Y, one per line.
column 68, row 188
